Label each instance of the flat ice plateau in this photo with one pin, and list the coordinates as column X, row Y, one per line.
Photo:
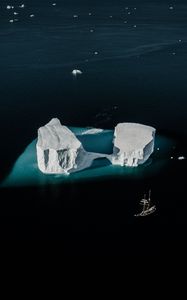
column 60, row 151
column 133, row 144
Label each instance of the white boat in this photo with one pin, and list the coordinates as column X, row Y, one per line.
column 148, row 208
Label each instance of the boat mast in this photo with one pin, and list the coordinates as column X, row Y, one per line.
column 149, row 196
column 144, row 203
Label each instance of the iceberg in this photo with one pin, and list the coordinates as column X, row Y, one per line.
column 133, row 144
column 25, row 171
column 76, row 72
column 59, row 151
column 181, row 157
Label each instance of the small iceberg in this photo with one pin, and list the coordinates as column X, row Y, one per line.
column 181, row 157
column 76, row 72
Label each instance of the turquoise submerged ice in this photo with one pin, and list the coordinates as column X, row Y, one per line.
column 25, row 171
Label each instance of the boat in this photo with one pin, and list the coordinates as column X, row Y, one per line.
column 148, row 208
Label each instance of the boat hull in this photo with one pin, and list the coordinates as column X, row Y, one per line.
column 147, row 212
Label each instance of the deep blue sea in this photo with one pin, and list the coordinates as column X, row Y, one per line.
column 132, row 55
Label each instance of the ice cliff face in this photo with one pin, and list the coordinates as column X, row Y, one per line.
column 57, row 148
column 133, row 144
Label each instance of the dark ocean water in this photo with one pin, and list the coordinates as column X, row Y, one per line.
column 134, row 69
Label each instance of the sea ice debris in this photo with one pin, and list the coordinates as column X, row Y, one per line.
column 181, row 158
column 76, row 72
column 93, row 131
column 57, row 148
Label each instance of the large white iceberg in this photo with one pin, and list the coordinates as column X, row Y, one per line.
column 57, row 148
column 133, row 144
column 60, row 152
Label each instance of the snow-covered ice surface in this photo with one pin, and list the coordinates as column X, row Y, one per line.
column 133, row 144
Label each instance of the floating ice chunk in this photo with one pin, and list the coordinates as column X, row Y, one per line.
column 93, row 131
column 11, row 21
column 171, row 157
column 133, row 144
column 31, row 16
column 15, row 13
column 10, row 7
column 54, row 4
column 96, row 52
column 76, row 72
column 181, row 158
column 22, row 5
column 171, row 7
column 75, row 16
